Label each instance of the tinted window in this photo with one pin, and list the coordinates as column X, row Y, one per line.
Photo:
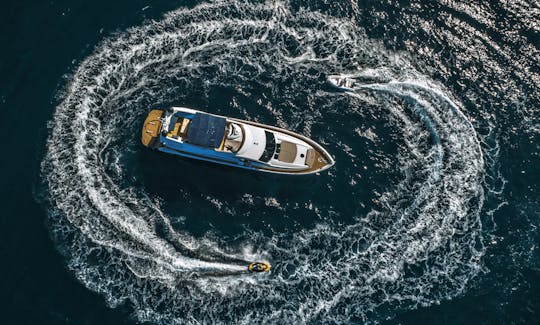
column 269, row 148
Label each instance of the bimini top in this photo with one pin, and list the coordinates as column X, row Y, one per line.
column 206, row 130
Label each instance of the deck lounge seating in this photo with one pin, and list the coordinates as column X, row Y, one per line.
column 288, row 152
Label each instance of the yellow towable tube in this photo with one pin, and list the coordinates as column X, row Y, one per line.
column 257, row 267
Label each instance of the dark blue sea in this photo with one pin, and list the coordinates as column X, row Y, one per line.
column 431, row 213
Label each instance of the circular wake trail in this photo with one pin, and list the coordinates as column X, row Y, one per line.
column 421, row 242
column 426, row 235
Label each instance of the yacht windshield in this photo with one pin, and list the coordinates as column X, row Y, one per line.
column 269, row 148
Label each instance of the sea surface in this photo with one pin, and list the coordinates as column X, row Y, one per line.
column 430, row 215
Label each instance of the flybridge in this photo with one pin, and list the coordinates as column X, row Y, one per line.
column 206, row 130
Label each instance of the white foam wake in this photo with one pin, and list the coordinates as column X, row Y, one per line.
column 421, row 244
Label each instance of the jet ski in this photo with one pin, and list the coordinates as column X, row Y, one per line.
column 233, row 142
column 341, row 82
column 257, row 267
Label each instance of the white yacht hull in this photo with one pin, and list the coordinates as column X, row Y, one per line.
column 263, row 148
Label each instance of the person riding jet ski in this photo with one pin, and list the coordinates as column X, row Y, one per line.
column 257, row 267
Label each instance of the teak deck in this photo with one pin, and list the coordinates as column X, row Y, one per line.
column 151, row 128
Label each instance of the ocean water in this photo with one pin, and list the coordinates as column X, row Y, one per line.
column 430, row 214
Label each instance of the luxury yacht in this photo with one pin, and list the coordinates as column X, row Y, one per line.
column 228, row 141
